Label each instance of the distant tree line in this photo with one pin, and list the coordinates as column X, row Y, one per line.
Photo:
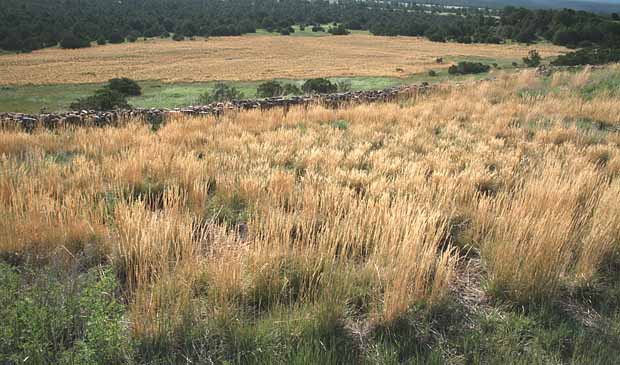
column 562, row 27
column 589, row 56
column 27, row 25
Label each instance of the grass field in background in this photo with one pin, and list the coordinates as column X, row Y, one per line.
column 249, row 58
column 55, row 98
column 174, row 74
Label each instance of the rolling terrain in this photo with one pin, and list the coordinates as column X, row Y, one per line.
column 174, row 74
column 248, row 58
column 472, row 224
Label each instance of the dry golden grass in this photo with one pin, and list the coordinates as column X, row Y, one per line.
column 246, row 58
column 261, row 209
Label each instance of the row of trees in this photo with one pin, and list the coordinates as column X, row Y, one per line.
column 32, row 24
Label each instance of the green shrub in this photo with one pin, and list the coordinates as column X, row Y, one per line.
column 71, row 41
column 291, row 89
column 464, row 68
column 178, row 37
column 588, row 56
column 103, row 99
column 125, row 86
column 318, row 28
column 269, row 89
column 112, row 96
column 53, row 317
column 319, row 86
column 341, row 124
column 101, row 41
column 287, row 31
column 533, row 59
column 221, row 92
column 132, row 37
column 343, row 86
column 116, row 38
column 432, row 73
column 338, row 30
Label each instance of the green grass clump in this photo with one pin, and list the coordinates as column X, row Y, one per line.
column 342, row 125
column 53, row 317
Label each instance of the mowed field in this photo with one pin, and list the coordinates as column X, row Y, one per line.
column 248, row 58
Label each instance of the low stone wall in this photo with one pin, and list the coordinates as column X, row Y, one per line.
column 29, row 122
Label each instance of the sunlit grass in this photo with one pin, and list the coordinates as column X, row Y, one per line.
column 343, row 230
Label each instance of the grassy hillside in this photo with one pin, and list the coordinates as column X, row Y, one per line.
column 472, row 224
column 174, row 74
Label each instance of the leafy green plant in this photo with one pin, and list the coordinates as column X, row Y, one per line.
column 319, row 86
column 221, row 92
column 344, row 86
column 465, row 67
column 112, row 96
column 342, row 125
column 124, row 86
column 52, row 317
column 338, row 30
column 103, row 99
column 269, row 89
column 533, row 59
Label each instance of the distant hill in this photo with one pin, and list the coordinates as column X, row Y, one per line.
column 597, row 6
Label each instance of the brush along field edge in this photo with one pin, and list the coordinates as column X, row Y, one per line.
column 370, row 206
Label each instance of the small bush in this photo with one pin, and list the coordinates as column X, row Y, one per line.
column 71, row 41
column 533, row 59
column 116, row 38
column 465, row 68
column 291, row 89
column 344, row 86
column 319, row 86
column 103, row 99
column 178, row 37
column 101, row 41
column 59, row 318
column 338, row 30
column 125, row 86
column 432, row 73
column 132, row 37
column 341, row 124
column 221, row 92
column 287, row 31
column 318, row 28
column 269, row 89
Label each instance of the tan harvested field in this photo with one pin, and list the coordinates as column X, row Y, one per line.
column 246, row 58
